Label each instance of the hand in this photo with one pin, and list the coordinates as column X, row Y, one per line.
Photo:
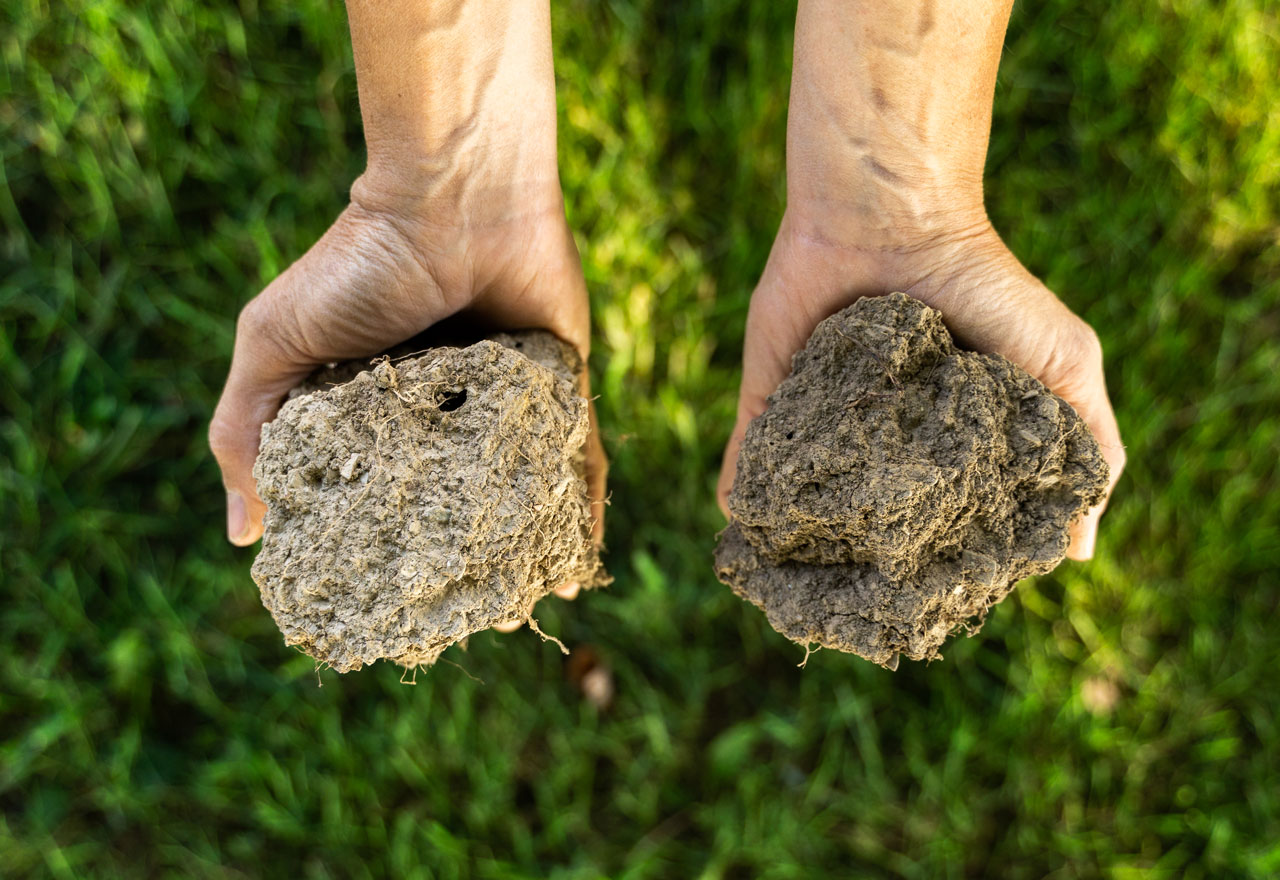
column 988, row 299
column 886, row 138
column 460, row 209
column 382, row 273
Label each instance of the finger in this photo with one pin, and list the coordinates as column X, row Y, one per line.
column 568, row 591
column 564, row 310
column 1083, row 535
column 1056, row 347
column 1076, row 374
column 597, row 471
column 729, row 462
column 1098, row 415
column 262, row 372
column 572, row 323
column 509, row 627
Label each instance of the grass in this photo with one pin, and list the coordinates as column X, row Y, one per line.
column 163, row 160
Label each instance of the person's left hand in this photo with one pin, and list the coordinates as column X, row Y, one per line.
column 988, row 299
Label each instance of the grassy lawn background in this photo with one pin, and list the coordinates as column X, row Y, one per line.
column 163, row 160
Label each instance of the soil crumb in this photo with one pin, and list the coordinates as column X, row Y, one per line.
column 424, row 499
column 897, row 487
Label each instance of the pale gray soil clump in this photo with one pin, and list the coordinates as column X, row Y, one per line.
column 897, row 487
column 423, row 500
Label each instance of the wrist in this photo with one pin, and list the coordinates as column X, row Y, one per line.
column 850, row 183
column 426, row 200
column 457, row 101
column 869, row 215
column 505, row 137
column 889, row 118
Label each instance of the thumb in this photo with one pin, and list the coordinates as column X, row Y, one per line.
column 263, row 370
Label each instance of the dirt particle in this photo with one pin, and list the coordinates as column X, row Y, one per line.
column 881, row 528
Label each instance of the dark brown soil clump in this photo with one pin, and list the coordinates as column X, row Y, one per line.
column 423, row 500
column 897, row 487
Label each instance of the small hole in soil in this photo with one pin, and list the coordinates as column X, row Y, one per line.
column 519, row 345
column 451, row 400
column 791, row 435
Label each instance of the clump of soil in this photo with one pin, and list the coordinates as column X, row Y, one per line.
column 897, row 488
column 423, row 500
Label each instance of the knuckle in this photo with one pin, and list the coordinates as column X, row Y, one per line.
column 1085, row 347
column 1074, row 367
column 221, row 437
column 258, row 321
column 267, row 327
column 251, row 320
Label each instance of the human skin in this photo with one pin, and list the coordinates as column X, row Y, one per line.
column 459, row 210
column 886, row 139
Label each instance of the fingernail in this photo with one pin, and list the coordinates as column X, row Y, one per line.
column 237, row 519
column 1088, row 537
column 569, row 590
column 509, row 627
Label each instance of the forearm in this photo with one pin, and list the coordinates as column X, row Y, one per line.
column 891, row 112
column 457, row 97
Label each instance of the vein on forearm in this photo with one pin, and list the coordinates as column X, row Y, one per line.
column 892, row 99
column 443, row 82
